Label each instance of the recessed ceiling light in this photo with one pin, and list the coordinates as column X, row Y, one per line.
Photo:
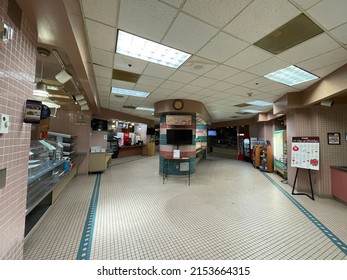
column 129, row 92
column 134, row 46
column 259, row 103
column 291, row 76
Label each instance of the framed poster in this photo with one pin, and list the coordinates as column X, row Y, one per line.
column 32, row 111
column 305, row 152
column 334, row 138
column 178, row 119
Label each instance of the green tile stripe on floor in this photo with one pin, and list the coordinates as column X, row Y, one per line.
column 87, row 235
column 337, row 241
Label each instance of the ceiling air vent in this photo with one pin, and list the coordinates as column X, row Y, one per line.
column 294, row 32
column 125, row 76
column 243, row 113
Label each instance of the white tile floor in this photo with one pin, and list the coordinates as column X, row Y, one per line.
column 230, row 211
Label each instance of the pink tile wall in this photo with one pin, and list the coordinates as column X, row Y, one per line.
column 17, row 70
column 318, row 121
column 66, row 122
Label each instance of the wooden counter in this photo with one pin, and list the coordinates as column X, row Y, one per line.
column 339, row 182
column 133, row 150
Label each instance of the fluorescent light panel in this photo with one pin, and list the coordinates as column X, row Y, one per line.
column 259, row 103
column 145, row 109
column 134, row 46
column 251, row 111
column 129, row 92
column 291, row 76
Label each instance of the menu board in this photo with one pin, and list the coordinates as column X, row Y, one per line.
column 305, row 152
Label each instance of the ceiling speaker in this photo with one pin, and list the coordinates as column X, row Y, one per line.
column 327, row 103
column 63, row 76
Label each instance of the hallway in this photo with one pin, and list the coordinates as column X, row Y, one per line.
column 230, row 211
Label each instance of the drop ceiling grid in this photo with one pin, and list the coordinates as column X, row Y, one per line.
column 221, row 86
column 248, row 57
column 149, row 80
column 268, row 66
column 246, row 25
column 323, row 60
column 102, row 57
column 103, row 82
column 241, row 78
column 100, row 35
column 340, row 33
column 101, row 71
column 189, row 34
column 156, row 16
column 130, row 64
column 206, row 10
column 221, row 72
column 102, row 11
column 222, row 47
column 330, row 13
column 315, row 46
column 324, row 71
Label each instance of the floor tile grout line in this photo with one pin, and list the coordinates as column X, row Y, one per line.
column 87, row 235
column 328, row 233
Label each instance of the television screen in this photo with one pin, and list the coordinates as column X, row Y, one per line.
column 211, row 133
column 99, row 125
column 179, row 136
column 150, row 131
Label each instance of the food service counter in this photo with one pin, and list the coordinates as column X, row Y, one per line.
column 133, row 150
column 339, row 182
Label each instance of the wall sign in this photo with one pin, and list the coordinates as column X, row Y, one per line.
column 334, row 138
column 32, row 111
column 178, row 119
column 305, row 152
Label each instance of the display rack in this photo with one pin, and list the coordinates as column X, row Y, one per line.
column 66, row 140
column 266, row 159
column 280, row 152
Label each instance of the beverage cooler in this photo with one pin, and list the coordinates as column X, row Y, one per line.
column 243, row 144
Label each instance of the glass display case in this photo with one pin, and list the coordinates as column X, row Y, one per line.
column 45, row 167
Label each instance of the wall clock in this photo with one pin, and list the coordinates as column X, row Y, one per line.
column 178, row 104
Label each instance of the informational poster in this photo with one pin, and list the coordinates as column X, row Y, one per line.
column 305, row 152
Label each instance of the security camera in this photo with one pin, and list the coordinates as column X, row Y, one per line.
column 130, row 65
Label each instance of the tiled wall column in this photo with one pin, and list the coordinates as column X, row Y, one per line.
column 17, row 73
column 167, row 150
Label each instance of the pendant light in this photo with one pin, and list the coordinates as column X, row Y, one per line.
column 41, row 87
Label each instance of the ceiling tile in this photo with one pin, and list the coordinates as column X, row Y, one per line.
column 273, row 87
column 326, row 59
column 221, row 72
column 311, row 48
column 340, row 33
column 268, row 66
column 215, row 12
column 160, row 71
column 191, row 89
column 175, row 3
column 103, row 72
column 241, row 78
column 103, row 88
column 203, row 82
column 130, row 64
column 189, row 34
column 101, row 36
column 102, row 11
column 329, row 13
column 123, row 84
column 162, row 91
column 102, row 57
column 246, row 25
column 248, row 58
column 157, row 17
column 221, row 86
column 171, row 85
column 103, row 81
column 222, row 47
column 324, row 71
column 149, row 80
column 305, row 4
column 183, row 77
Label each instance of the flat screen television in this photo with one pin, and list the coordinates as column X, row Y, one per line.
column 99, row 125
column 150, row 131
column 211, row 133
column 179, row 136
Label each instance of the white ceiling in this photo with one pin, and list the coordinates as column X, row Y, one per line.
column 225, row 69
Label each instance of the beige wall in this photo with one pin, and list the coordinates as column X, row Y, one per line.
column 318, row 121
column 17, row 72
